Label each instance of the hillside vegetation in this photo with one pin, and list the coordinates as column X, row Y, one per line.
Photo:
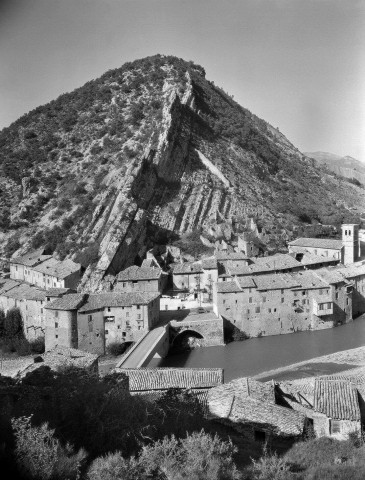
column 108, row 170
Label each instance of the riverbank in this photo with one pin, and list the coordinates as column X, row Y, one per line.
column 314, row 367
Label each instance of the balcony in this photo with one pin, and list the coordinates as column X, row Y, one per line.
column 322, row 308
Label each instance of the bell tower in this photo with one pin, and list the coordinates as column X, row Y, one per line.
column 350, row 241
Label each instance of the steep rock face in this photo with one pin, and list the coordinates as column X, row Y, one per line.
column 348, row 167
column 148, row 153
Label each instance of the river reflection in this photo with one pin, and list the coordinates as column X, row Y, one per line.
column 258, row 355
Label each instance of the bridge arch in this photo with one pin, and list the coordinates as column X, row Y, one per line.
column 186, row 338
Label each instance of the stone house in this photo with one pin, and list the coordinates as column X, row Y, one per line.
column 31, row 302
column 141, row 279
column 44, row 271
column 53, row 273
column 154, row 382
column 18, row 265
column 338, row 401
column 248, row 244
column 187, row 276
column 106, row 318
column 282, row 303
column 61, row 321
column 279, row 263
column 318, row 246
column 250, row 408
column 355, row 274
column 311, row 261
column 235, row 258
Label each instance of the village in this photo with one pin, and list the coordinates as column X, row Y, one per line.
column 166, row 303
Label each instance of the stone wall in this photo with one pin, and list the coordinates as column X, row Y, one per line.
column 154, row 285
column 211, row 330
column 256, row 313
column 61, row 329
column 33, row 315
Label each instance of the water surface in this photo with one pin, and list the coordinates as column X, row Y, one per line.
column 257, row 355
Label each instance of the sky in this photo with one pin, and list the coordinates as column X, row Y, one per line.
column 298, row 64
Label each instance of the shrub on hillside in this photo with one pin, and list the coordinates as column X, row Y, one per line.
column 40, row 455
column 116, row 348
column 114, row 467
column 37, row 345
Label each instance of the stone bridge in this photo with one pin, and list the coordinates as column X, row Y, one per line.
column 204, row 326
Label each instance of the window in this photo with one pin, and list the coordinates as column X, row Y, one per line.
column 124, row 334
column 260, row 436
column 56, row 325
column 269, row 310
column 282, row 291
column 264, row 299
column 335, row 426
column 224, row 302
column 123, row 284
column 257, row 309
column 108, row 309
column 250, row 300
column 106, row 332
column 48, row 299
column 127, row 314
column 303, row 292
column 336, row 296
column 282, row 300
column 248, row 312
column 56, row 336
column 329, row 305
column 139, row 316
column 321, row 306
column 41, row 310
column 138, row 307
column 56, row 313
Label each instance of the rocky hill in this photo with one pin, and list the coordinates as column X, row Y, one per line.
column 347, row 166
column 147, row 154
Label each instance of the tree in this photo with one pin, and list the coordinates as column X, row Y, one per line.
column 2, row 322
column 13, row 324
column 39, row 454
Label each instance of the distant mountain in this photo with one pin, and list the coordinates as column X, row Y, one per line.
column 147, row 154
column 348, row 167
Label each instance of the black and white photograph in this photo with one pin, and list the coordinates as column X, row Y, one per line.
column 182, row 239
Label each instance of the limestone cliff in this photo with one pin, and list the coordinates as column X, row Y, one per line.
column 144, row 155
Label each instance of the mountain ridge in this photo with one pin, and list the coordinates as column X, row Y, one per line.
column 137, row 158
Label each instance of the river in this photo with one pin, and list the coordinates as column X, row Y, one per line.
column 257, row 355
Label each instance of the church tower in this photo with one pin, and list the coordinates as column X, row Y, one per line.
column 350, row 241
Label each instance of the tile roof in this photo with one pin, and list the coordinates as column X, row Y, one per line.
column 330, row 276
column 326, row 243
column 246, row 282
column 311, row 259
column 56, row 268
column 276, row 281
column 139, row 273
column 31, row 259
column 266, row 264
column 98, row 301
column 307, row 279
column 145, row 379
column 239, row 402
column 187, row 267
column 336, row 399
column 228, row 287
column 223, row 256
column 354, row 270
column 55, row 292
column 8, row 285
column 25, row 292
column 209, row 263
column 72, row 301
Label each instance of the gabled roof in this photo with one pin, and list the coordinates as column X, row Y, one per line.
column 330, row 276
column 209, row 263
column 141, row 379
column 72, row 301
column 228, row 287
column 311, row 259
column 246, row 282
column 25, row 292
column 326, row 243
column 307, row 279
column 223, row 256
column 99, row 301
column 266, row 264
column 56, row 292
column 276, row 281
column 336, row 399
column 244, row 400
column 8, row 285
column 134, row 273
column 57, row 268
column 31, row 259
column 187, row 268
column 351, row 271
